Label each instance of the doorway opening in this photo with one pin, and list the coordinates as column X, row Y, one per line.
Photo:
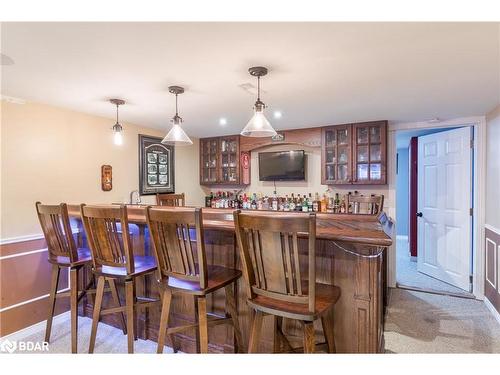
column 434, row 179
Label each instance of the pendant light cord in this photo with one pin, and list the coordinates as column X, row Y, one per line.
column 176, row 111
column 258, row 88
column 117, row 113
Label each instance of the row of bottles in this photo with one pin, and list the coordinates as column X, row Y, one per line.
column 328, row 202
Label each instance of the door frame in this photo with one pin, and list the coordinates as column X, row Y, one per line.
column 478, row 187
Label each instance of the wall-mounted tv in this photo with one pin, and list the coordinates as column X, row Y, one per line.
column 282, row 166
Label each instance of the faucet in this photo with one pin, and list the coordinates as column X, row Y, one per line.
column 137, row 199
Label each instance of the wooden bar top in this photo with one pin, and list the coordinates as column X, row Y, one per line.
column 360, row 229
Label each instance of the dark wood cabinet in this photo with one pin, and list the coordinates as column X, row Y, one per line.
column 354, row 154
column 220, row 161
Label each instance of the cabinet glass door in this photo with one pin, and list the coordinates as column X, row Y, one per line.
column 229, row 160
column 209, row 161
column 337, row 154
column 368, row 153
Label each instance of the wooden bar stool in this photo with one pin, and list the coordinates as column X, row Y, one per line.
column 372, row 205
column 113, row 259
column 272, row 269
column 63, row 253
column 183, row 269
column 175, row 200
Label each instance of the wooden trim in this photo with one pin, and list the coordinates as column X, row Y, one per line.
column 413, row 196
column 23, row 246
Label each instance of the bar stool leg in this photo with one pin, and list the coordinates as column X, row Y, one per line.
column 116, row 298
column 136, row 321
column 97, row 312
column 253, row 343
column 52, row 299
column 165, row 312
column 309, row 345
column 129, row 306
column 277, row 337
column 326, row 322
column 231, row 307
column 202, row 323
column 73, row 274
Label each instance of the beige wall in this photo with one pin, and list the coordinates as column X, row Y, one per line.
column 313, row 177
column 55, row 155
column 493, row 168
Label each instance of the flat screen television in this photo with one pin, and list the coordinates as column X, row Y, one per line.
column 282, row 166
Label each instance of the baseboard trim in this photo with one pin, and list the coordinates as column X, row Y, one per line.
column 28, row 331
column 490, row 307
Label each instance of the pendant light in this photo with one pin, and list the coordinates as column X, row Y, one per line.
column 176, row 135
column 117, row 128
column 258, row 126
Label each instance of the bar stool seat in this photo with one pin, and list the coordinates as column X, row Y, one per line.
column 326, row 297
column 142, row 265
column 83, row 257
column 218, row 277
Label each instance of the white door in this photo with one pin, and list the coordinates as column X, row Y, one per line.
column 444, row 201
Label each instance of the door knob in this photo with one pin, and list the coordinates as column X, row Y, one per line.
column 419, row 214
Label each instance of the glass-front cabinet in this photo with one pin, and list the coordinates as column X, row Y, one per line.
column 209, row 160
column 355, row 154
column 337, row 154
column 219, row 161
column 229, row 160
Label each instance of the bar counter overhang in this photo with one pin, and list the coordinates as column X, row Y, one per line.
column 351, row 253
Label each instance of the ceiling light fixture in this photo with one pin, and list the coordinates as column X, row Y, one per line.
column 258, row 126
column 117, row 128
column 277, row 114
column 222, row 121
column 176, row 135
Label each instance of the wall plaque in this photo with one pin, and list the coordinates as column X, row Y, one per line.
column 106, row 177
column 156, row 166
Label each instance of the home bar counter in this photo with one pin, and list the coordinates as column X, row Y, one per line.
column 350, row 252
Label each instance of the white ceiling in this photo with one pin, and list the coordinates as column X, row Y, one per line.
column 320, row 73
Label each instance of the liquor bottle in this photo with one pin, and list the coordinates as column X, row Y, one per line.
column 337, row 203
column 343, row 206
column 330, row 205
column 349, row 203
column 291, row 205
column 324, row 203
column 310, row 203
column 253, row 204
column 355, row 205
column 275, row 203
column 265, row 203
column 298, row 205
column 316, row 203
column 305, row 204
column 286, row 206
column 260, row 202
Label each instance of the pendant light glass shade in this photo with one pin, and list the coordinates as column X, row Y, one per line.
column 177, row 135
column 258, row 126
column 117, row 127
column 118, row 135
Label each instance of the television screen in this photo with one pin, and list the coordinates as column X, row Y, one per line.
column 282, row 166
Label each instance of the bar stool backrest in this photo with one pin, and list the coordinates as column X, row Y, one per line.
column 175, row 200
column 371, row 205
column 269, row 251
column 56, row 228
column 108, row 236
column 173, row 233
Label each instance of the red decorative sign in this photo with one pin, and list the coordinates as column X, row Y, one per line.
column 245, row 168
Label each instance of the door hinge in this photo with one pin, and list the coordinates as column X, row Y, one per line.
column 471, row 143
column 471, row 211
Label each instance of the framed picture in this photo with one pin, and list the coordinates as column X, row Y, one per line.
column 156, row 166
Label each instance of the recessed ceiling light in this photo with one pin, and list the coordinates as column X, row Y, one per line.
column 222, row 121
column 277, row 114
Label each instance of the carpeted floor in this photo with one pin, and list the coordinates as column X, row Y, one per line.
column 416, row 323
column 407, row 274
column 428, row 323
